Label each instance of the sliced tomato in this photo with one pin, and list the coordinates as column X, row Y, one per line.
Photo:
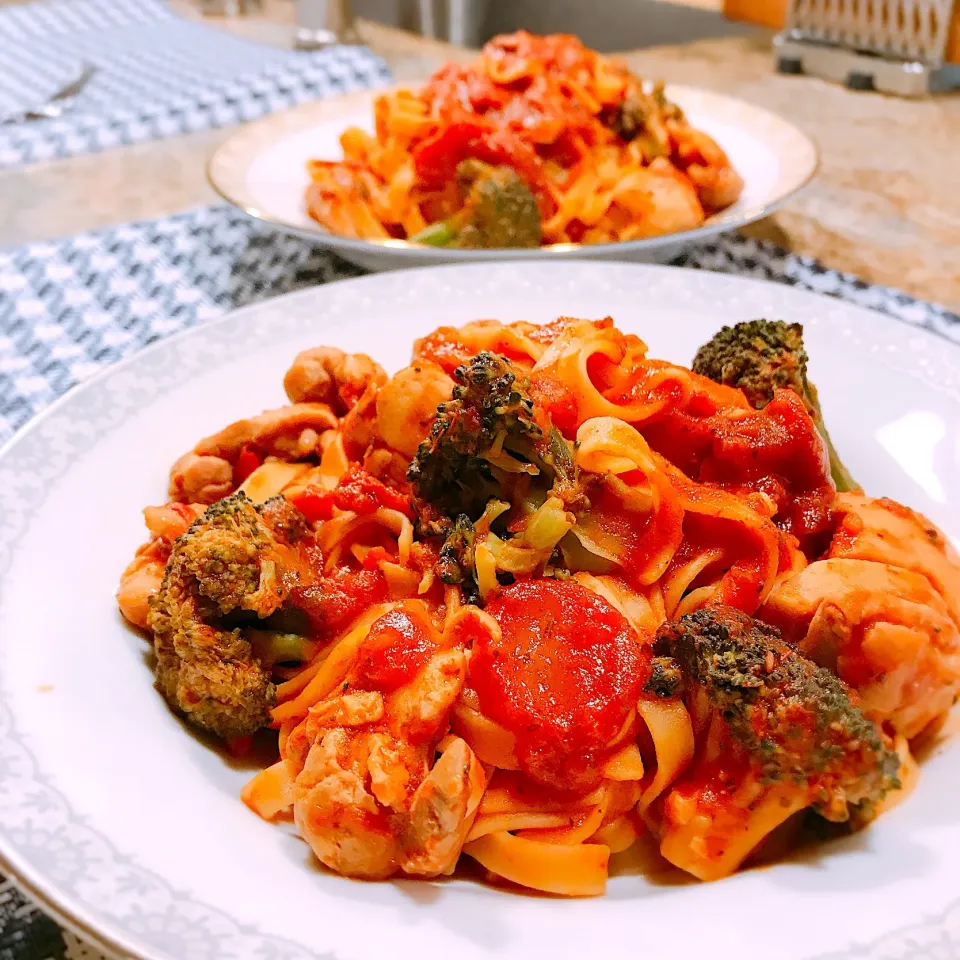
column 562, row 674
column 435, row 160
column 396, row 647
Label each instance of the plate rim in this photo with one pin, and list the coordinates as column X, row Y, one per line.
column 226, row 174
column 70, row 910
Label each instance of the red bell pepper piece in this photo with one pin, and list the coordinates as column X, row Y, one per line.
column 247, row 462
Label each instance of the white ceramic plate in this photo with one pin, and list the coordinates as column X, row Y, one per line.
column 261, row 169
column 132, row 830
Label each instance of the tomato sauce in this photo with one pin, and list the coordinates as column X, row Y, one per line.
column 333, row 602
column 640, row 537
column 776, row 451
column 708, row 792
column 563, row 677
column 752, row 554
column 444, row 348
column 436, row 159
column 558, row 401
column 357, row 491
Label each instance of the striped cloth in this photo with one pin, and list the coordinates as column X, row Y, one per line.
column 68, row 307
column 157, row 75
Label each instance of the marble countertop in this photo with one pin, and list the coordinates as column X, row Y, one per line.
column 885, row 206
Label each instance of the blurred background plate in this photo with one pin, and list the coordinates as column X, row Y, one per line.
column 28, row 81
column 261, row 170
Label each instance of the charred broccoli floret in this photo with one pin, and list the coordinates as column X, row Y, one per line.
column 486, row 450
column 761, row 357
column 480, row 442
column 796, row 720
column 499, row 210
column 641, row 117
column 456, row 554
column 666, row 679
column 233, row 565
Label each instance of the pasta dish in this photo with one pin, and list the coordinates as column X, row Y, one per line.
column 539, row 598
column 541, row 141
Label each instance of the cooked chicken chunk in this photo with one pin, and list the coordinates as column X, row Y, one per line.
column 207, row 473
column 330, row 376
column 369, row 798
column 881, row 610
column 407, row 404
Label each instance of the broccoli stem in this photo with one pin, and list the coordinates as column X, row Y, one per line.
column 439, row 234
column 842, row 478
column 272, row 647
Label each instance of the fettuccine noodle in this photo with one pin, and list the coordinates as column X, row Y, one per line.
column 605, row 156
column 496, row 654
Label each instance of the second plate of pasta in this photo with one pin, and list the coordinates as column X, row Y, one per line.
column 477, row 165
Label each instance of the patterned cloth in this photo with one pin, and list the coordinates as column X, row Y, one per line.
column 69, row 307
column 157, row 75
column 27, row 934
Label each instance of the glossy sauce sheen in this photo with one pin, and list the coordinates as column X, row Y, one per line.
column 776, row 451
column 563, row 677
column 333, row 602
column 357, row 491
column 397, row 646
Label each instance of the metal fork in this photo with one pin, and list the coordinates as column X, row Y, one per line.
column 59, row 103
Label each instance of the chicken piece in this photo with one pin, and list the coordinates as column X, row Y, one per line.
column 881, row 611
column 197, row 479
column 289, row 433
column 206, row 474
column 662, row 198
column 407, row 405
column 335, row 808
column 888, row 532
column 702, row 159
column 883, row 630
column 441, row 812
column 330, row 376
column 369, row 798
column 235, row 557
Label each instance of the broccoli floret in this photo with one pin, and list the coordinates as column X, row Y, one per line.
column 485, row 445
column 641, row 117
column 456, row 554
column 480, row 443
column 223, row 552
column 234, row 563
column 499, row 210
column 796, row 720
column 666, row 679
column 761, row 357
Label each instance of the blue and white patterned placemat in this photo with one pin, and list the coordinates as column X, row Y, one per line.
column 69, row 307
column 157, row 75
